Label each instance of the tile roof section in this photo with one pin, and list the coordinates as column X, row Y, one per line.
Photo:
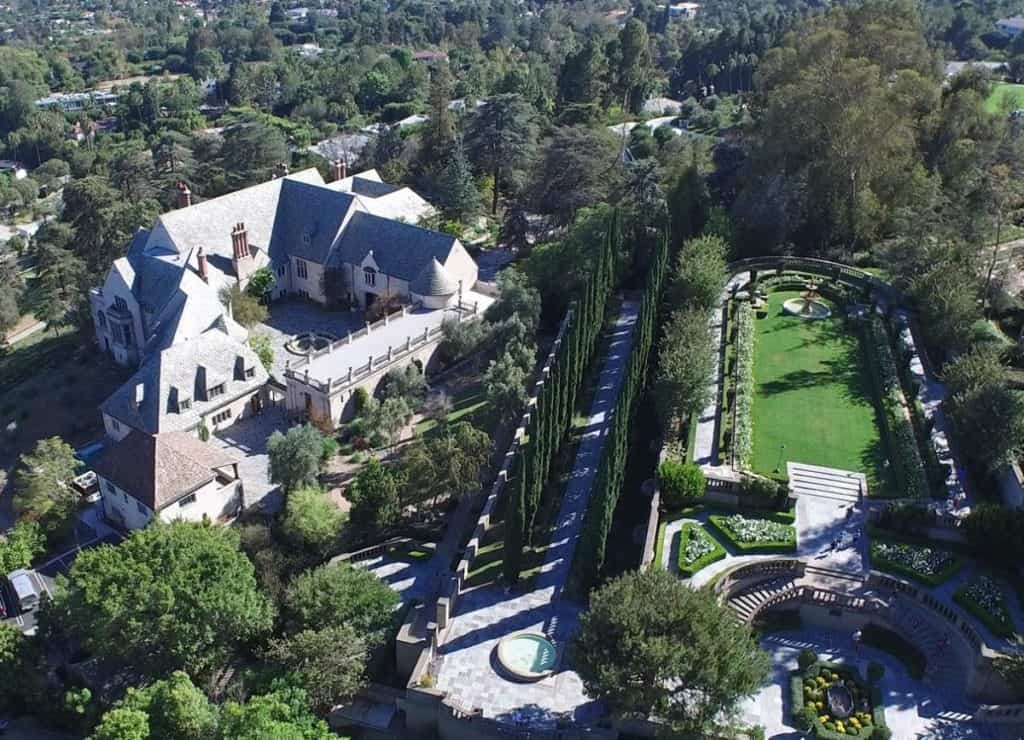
column 160, row 469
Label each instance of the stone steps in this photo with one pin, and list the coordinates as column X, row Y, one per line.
column 746, row 603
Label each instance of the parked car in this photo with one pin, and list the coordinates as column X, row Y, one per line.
column 88, row 485
column 25, row 585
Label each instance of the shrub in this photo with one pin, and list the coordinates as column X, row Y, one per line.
column 743, row 436
column 875, row 671
column 769, row 491
column 360, row 397
column 881, row 733
column 806, row 659
column 680, row 483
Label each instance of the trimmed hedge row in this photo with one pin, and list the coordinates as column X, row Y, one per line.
column 904, row 453
column 743, row 434
column 552, row 415
column 694, row 530
column 897, row 646
column 999, row 625
column 716, row 522
column 878, row 729
column 590, row 553
column 880, row 562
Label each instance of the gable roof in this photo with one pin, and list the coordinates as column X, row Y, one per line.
column 309, row 219
column 184, row 371
column 400, row 250
column 162, row 468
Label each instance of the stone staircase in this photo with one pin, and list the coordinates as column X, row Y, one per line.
column 841, row 486
column 943, row 671
column 747, row 602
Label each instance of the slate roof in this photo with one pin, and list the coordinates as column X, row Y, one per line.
column 185, row 370
column 400, row 250
column 160, row 469
column 433, row 280
column 372, row 188
column 309, row 219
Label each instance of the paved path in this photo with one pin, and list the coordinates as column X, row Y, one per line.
column 466, row 667
column 705, row 444
column 830, row 517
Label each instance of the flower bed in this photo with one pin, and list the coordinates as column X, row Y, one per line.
column 809, row 703
column 984, row 598
column 752, row 535
column 904, row 453
column 743, row 436
column 928, row 565
column 697, row 549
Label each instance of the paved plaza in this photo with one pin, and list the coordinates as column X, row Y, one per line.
column 247, row 439
column 466, row 667
column 293, row 317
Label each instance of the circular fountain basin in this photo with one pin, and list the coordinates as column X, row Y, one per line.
column 529, row 656
column 840, row 701
column 805, row 309
column 305, row 343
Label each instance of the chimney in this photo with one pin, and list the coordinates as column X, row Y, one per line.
column 240, row 241
column 280, row 170
column 340, row 169
column 184, row 195
column 201, row 257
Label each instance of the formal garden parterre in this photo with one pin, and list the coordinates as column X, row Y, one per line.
column 926, row 564
column 697, row 549
column 833, row 701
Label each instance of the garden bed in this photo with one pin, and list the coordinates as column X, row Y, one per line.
column 755, row 535
column 809, row 706
column 697, row 549
column 924, row 564
column 985, row 599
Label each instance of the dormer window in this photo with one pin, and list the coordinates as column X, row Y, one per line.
column 369, row 276
column 184, row 405
column 217, row 390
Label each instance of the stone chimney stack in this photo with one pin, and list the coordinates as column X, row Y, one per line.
column 240, row 241
column 183, row 196
column 340, row 169
column 201, row 258
column 242, row 260
column 280, row 170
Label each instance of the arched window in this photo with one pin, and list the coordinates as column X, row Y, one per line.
column 369, row 276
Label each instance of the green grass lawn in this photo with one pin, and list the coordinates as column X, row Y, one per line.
column 470, row 405
column 812, row 394
column 1005, row 97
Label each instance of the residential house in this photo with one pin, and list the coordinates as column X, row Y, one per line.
column 168, row 476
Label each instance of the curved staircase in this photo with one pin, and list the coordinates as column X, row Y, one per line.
column 747, row 602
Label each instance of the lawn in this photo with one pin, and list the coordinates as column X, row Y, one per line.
column 812, row 394
column 1005, row 97
column 470, row 404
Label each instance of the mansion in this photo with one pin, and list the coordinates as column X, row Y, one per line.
column 163, row 310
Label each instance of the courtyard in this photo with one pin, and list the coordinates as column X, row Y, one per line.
column 812, row 396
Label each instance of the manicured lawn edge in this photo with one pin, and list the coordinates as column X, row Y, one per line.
column 897, row 646
column 880, row 563
column 992, row 623
column 717, row 526
column 718, row 553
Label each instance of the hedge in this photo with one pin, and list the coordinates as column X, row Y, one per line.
column 716, row 522
column 897, row 646
column 743, row 433
column 877, row 729
column 716, row 553
column 882, row 563
column 904, row 453
column 999, row 627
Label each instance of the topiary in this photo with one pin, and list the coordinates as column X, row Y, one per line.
column 806, row 659
column 881, row 733
column 680, row 483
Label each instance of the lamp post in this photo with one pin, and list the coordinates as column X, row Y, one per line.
column 778, row 465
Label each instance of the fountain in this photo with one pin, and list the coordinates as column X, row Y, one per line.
column 840, row 700
column 809, row 305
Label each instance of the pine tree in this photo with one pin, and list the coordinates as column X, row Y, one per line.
column 457, row 193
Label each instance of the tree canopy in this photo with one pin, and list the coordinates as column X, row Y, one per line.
column 171, row 597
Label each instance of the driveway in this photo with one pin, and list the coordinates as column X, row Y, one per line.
column 247, row 439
